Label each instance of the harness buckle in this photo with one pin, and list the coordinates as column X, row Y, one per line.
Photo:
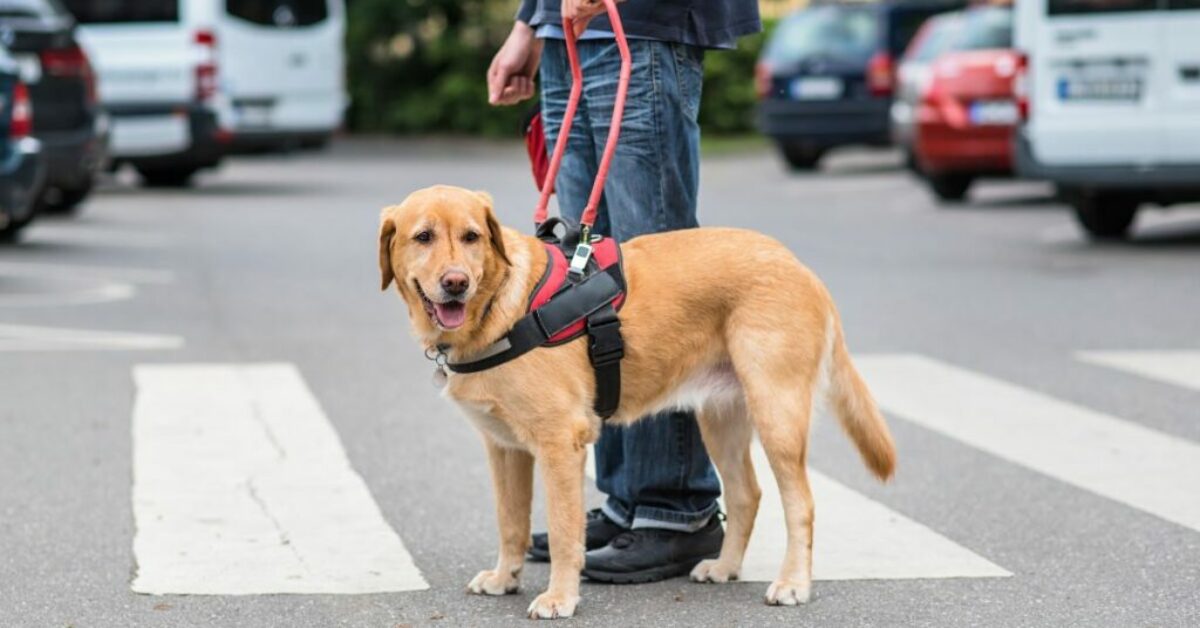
column 604, row 331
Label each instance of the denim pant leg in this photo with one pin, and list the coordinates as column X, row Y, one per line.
column 655, row 472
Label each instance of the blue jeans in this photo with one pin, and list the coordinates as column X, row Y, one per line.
column 655, row 472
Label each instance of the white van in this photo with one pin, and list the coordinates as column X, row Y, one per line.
column 189, row 81
column 1112, row 90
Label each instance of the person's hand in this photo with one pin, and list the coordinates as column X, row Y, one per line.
column 580, row 12
column 510, row 77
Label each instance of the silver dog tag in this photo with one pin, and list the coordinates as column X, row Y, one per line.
column 439, row 377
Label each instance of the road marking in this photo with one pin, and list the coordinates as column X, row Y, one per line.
column 76, row 272
column 103, row 293
column 855, row 537
column 1122, row 461
column 81, row 234
column 241, row 486
column 29, row 338
column 1181, row 368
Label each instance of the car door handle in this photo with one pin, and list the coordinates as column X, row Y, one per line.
column 1189, row 73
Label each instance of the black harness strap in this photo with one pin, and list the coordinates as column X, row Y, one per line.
column 605, row 350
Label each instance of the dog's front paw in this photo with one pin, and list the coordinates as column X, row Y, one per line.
column 490, row 582
column 713, row 570
column 788, row 593
column 552, row 606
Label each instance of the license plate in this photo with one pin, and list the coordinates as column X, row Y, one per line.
column 817, row 88
column 993, row 112
column 1110, row 89
column 254, row 115
column 29, row 67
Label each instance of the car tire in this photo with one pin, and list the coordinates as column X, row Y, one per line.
column 1105, row 216
column 950, row 188
column 11, row 231
column 800, row 157
column 66, row 200
column 179, row 177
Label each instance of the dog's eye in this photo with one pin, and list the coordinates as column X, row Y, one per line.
column 424, row 237
column 470, row 236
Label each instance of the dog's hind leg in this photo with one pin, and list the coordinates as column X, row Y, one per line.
column 727, row 433
column 782, row 418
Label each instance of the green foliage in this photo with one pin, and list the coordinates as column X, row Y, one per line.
column 419, row 66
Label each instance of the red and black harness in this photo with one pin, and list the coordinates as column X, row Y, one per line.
column 566, row 305
column 583, row 295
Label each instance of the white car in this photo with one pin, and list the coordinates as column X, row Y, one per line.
column 190, row 81
column 1112, row 91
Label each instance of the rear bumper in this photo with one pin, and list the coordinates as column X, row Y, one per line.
column 204, row 145
column 941, row 148
column 1115, row 176
column 74, row 156
column 21, row 177
column 827, row 123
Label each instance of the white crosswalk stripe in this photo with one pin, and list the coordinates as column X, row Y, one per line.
column 241, row 486
column 1180, row 368
column 856, row 538
column 1130, row 464
column 33, row 338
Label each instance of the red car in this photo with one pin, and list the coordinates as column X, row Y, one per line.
column 966, row 113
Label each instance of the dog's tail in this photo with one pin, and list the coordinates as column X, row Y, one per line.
column 855, row 408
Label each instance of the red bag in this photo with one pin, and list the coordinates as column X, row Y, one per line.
column 535, row 144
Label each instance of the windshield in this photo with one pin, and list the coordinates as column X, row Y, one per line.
column 121, row 11
column 936, row 38
column 839, row 32
column 986, row 29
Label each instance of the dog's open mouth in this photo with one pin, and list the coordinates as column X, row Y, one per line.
column 449, row 315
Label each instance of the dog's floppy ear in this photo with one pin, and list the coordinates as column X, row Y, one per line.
column 387, row 229
column 494, row 232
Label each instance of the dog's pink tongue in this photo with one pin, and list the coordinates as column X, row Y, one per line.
column 451, row 315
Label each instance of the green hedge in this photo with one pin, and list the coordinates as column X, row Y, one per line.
column 418, row 66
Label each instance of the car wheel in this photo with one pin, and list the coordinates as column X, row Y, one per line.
column 800, row 156
column 66, row 200
column 11, row 231
column 180, row 177
column 1105, row 216
column 950, row 188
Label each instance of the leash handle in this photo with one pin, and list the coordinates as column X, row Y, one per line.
column 564, row 133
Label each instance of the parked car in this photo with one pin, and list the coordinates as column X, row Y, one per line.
column 191, row 81
column 912, row 77
column 826, row 76
column 70, row 124
column 22, row 164
column 1112, row 92
column 967, row 109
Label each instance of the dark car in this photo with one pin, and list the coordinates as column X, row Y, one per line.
column 21, row 162
column 69, row 123
column 827, row 75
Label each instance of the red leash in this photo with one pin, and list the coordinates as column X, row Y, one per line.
column 614, row 130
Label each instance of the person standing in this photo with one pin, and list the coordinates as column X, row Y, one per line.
column 659, row 518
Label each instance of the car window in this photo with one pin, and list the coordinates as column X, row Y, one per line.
column 30, row 8
column 986, row 29
column 1077, row 7
column 838, row 32
column 119, row 11
column 936, row 38
column 903, row 26
column 279, row 13
column 1183, row 5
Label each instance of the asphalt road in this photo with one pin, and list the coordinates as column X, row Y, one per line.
column 1084, row 505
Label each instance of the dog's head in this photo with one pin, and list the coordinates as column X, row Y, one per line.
column 445, row 251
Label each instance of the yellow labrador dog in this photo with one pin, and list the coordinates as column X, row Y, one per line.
column 725, row 321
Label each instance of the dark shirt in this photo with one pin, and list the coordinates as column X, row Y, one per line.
column 707, row 23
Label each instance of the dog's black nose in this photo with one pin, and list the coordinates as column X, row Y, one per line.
column 455, row 283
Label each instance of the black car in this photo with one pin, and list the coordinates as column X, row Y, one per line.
column 69, row 122
column 22, row 166
column 827, row 74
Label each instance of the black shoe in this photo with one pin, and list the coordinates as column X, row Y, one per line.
column 650, row 554
column 600, row 530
